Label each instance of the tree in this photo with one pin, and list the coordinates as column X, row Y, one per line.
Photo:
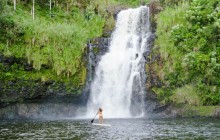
column 14, row 5
column 33, row 10
column 50, row 7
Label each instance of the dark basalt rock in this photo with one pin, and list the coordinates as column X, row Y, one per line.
column 28, row 67
column 39, row 111
column 95, row 50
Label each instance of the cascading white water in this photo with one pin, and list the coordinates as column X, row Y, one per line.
column 118, row 85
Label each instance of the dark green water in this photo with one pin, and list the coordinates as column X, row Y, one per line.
column 121, row 129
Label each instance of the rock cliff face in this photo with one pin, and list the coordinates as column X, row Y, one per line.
column 15, row 89
column 95, row 49
column 39, row 111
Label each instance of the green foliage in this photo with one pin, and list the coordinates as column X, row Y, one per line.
column 198, row 40
column 163, row 94
column 203, row 110
column 169, row 65
column 171, row 3
column 58, row 43
column 202, row 28
column 3, row 4
column 186, row 94
column 132, row 2
column 189, row 45
column 6, row 28
column 53, row 44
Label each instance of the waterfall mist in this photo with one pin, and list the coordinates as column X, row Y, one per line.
column 119, row 83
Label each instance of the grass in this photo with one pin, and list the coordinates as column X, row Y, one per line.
column 187, row 94
column 188, row 63
column 166, row 20
column 171, row 57
column 56, row 42
column 206, row 111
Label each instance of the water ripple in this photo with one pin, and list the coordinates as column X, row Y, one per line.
column 122, row 129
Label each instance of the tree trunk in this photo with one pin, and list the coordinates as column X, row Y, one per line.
column 67, row 7
column 33, row 10
column 14, row 5
column 50, row 7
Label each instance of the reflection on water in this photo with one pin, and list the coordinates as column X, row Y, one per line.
column 122, row 129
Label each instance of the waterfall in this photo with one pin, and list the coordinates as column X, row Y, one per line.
column 119, row 83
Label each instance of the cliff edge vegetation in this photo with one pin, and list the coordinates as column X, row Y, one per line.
column 187, row 53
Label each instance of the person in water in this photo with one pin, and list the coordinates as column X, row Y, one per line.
column 100, row 115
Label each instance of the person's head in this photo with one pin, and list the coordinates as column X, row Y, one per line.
column 100, row 109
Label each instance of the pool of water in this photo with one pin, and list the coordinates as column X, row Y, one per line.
column 122, row 129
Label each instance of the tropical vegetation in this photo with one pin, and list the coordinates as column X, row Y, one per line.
column 188, row 45
column 46, row 40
